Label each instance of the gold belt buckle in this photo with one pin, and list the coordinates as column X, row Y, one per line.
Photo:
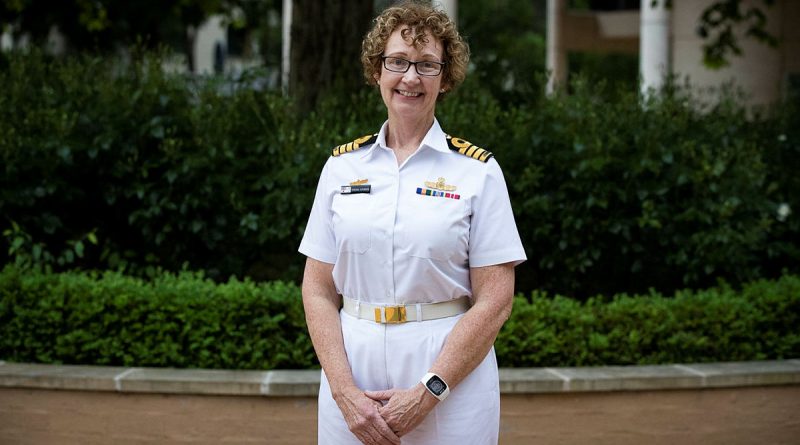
column 394, row 314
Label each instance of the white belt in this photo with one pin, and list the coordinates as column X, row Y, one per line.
column 407, row 312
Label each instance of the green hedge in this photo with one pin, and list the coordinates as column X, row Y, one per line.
column 188, row 321
column 108, row 166
column 758, row 322
column 184, row 321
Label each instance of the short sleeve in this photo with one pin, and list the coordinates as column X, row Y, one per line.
column 318, row 241
column 493, row 235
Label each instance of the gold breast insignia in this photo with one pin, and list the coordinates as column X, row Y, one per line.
column 359, row 182
column 440, row 185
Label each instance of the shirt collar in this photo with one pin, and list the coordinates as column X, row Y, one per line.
column 380, row 143
column 435, row 139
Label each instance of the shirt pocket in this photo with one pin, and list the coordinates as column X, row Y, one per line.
column 439, row 229
column 352, row 222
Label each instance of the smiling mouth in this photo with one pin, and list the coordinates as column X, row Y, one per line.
column 408, row 93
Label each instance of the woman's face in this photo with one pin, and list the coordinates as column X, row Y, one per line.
column 409, row 94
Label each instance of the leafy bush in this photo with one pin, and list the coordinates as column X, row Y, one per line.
column 718, row 324
column 188, row 321
column 128, row 167
column 182, row 320
column 162, row 173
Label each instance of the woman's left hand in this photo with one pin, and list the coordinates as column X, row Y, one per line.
column 404, row 409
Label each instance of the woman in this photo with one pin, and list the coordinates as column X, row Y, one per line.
column 411, row 234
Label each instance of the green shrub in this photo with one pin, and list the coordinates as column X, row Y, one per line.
column 187, row 321
column 759, row 322
column 183, row 320
column 159, row 171
column 616, row 196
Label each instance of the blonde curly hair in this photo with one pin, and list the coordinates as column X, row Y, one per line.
column 422, row 20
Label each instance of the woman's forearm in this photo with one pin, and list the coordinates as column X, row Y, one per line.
column 321, row 304
column 475, row 333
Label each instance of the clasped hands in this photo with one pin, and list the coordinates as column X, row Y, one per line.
column 382, row 417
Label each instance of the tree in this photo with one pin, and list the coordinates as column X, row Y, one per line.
column 106, row 25
column 326, row 47
column 249, row 22
column 507, row 44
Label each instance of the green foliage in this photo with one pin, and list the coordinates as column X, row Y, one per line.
column 108, row 25
column 759, row 322
column 617, row 71
column 720, row 23
column 619, row 196
column 187, row 321
column 127, row 167
column 161, row 171
column 182, row 320
column 507, row 46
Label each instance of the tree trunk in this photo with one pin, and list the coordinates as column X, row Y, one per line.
column 326, row 47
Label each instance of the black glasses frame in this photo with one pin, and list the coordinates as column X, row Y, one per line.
column 416, row 68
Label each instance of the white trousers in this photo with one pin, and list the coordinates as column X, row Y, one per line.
column 385, row 356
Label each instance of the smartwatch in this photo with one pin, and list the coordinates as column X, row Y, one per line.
column 436, row 386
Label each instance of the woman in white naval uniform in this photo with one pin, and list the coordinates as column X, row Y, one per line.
column 411, row 247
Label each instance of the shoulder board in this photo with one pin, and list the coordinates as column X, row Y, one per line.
column 467, row 149
column 355, row 145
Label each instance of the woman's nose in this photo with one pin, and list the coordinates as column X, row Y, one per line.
column 411, row 75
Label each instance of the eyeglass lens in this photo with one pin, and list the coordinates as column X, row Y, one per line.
column 423, row 67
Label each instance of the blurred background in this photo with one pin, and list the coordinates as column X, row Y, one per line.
column 158, row 161
column 647, row 144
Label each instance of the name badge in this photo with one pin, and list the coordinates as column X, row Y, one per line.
column 353, row 189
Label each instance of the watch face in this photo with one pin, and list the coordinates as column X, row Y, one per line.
column 436, row 385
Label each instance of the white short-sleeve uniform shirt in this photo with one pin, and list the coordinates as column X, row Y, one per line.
column 396, row 245
column 411, row 239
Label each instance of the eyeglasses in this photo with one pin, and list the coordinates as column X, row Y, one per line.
column 423, row 67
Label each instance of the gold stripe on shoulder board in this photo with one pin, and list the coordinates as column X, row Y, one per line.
column 468, row 149
column 354, row 145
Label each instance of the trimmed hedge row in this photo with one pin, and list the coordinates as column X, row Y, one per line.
column 757, row 322
column 128, row 167
column 187, row 321
column 184, row 321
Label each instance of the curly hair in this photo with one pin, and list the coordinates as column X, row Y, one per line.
column 423, row 20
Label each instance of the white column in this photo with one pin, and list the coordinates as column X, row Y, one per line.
column 211, row 33
column 286, row 51
column 654, row 45
column 451, row 8
column 556, row 54
column 6, row 41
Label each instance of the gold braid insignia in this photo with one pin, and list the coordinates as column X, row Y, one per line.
column 468, row 149
column 355, row 145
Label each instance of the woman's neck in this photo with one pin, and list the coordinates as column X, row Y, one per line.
column 405, row 135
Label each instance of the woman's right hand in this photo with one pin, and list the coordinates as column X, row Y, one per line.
column 363, row 419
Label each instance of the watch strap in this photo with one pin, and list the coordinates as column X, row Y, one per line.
column 433, row 382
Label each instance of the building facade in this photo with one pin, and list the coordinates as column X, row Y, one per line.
column 667, row 43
